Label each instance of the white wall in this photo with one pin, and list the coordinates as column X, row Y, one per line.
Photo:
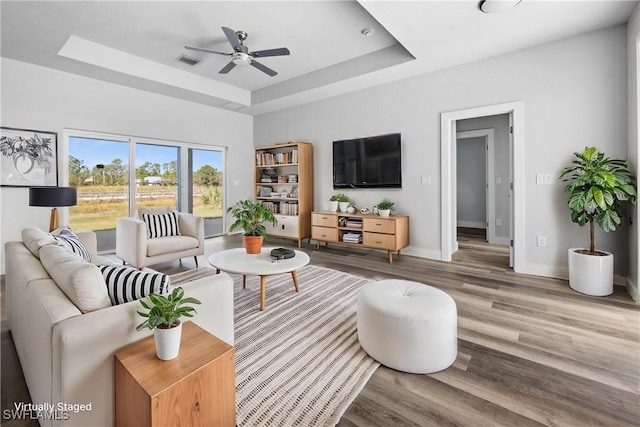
column 500, row 125
column 35, row 97
column 471, row 182
column 574, row 94
column 633, row 35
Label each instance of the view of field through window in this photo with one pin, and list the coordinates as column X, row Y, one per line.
column 99, row 169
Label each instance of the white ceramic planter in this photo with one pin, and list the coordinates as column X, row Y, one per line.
column 168, row 342
column 589, row 274
column 343, row 206
column 384, row 212
column 333, row 205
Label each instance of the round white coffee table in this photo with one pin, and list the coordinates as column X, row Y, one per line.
column 238, row 261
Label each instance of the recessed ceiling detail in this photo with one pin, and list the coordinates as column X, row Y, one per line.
column 186, row 59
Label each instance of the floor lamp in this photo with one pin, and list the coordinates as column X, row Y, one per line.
column 52, row 197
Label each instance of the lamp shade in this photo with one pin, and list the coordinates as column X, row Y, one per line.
column 52, row 196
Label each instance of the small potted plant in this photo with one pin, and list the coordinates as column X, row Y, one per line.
column 597, row 187
column 333, row 203
column 163, row 318
column 352, row 206
column 384, row 207
column 343, row 201
column 251, row 216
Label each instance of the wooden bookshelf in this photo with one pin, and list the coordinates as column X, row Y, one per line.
column 289, row 192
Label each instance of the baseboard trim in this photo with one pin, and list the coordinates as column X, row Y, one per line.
column 422, row 253
column 472, row 224
column 562, row 272
column 633, row 290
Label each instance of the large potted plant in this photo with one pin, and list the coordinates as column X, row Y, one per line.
column 163, row 318
column 251, row 217
column 597, row 186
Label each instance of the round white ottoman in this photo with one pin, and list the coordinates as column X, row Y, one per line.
column 408, row 326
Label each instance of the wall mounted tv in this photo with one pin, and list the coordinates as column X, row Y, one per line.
column 372, row 162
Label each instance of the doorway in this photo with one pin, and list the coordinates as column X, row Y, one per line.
column 515, row 178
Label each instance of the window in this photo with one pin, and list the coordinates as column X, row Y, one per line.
column 116, row 174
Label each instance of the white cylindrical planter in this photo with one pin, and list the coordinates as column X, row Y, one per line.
column 591, row 274
column 168, row 342
column 384, row 212
column 343, row 206
column 333, row 205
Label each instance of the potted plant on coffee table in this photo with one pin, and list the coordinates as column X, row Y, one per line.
column 251, row 217
column 597, row 186
column 384, row 207
column 163, row 318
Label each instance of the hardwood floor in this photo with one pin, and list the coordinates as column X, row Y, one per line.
column 530, row 350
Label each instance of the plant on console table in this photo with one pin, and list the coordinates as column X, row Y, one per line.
column 251, row 217
column 598, row 187
column 163, row 318
column 343, row 201
column 384, row 207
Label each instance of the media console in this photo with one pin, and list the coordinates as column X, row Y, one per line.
column 365, row 231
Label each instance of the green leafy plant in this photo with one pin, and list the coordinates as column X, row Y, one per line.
column 251, row 216
column 165, row 312
column 339, row 198
column 597, row 187
column 385, row 204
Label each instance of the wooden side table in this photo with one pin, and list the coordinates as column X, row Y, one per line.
column 195, row 389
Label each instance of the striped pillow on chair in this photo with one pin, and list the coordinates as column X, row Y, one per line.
column 161, row 225
column 126, row 284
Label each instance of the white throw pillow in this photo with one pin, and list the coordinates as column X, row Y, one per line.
column 71, row 242
column 81, row 281
column 126, row 284
column 161, row 225
column 34, row 238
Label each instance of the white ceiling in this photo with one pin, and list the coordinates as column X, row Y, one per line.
column 135, row 43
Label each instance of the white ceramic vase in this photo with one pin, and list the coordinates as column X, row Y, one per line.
column 343, row 206
column 591, row 274
column 333, row 205
column 168, row 342
column 384, row 212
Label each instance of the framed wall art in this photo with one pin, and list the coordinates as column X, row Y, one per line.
column 28, row 158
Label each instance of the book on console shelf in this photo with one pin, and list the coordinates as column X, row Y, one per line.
column 352, row 238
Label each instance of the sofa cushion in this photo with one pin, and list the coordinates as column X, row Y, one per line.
column 71, row 242
column 34, row 238
column 126, row 284
column 171, row 244
column 81, row 281
column 161, row 225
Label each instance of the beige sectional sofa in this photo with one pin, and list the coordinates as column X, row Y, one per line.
column 67, row 356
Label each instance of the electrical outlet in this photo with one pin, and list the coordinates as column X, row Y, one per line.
column 542, row 241
column 544, row 179
column 426, row 180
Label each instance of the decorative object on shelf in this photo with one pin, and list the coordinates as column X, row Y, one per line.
column 351, row 209
column 365, row 211
column 163, row 318
column 343, row 201
column 28, row 158
column 598, row 186
column 333, row 203
column 53, row 197
column 384, row 207
column 251, row 216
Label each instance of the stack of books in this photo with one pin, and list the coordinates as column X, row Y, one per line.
column 352, row 238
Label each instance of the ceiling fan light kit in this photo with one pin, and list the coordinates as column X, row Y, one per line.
column 241, row 54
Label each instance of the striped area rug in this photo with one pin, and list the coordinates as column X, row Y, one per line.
column 299, row 362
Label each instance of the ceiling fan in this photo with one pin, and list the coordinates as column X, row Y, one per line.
column 241, row 54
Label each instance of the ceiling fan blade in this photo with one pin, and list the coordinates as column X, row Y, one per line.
column 271, row 52
column 231, row 36
column 206, row 50
column 230, row 66
column 263, row 68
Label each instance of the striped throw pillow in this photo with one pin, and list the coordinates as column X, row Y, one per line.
column 71, row 242
column 161, row 225
column 126, row 284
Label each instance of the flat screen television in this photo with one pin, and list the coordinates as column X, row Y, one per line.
column 372, row 162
